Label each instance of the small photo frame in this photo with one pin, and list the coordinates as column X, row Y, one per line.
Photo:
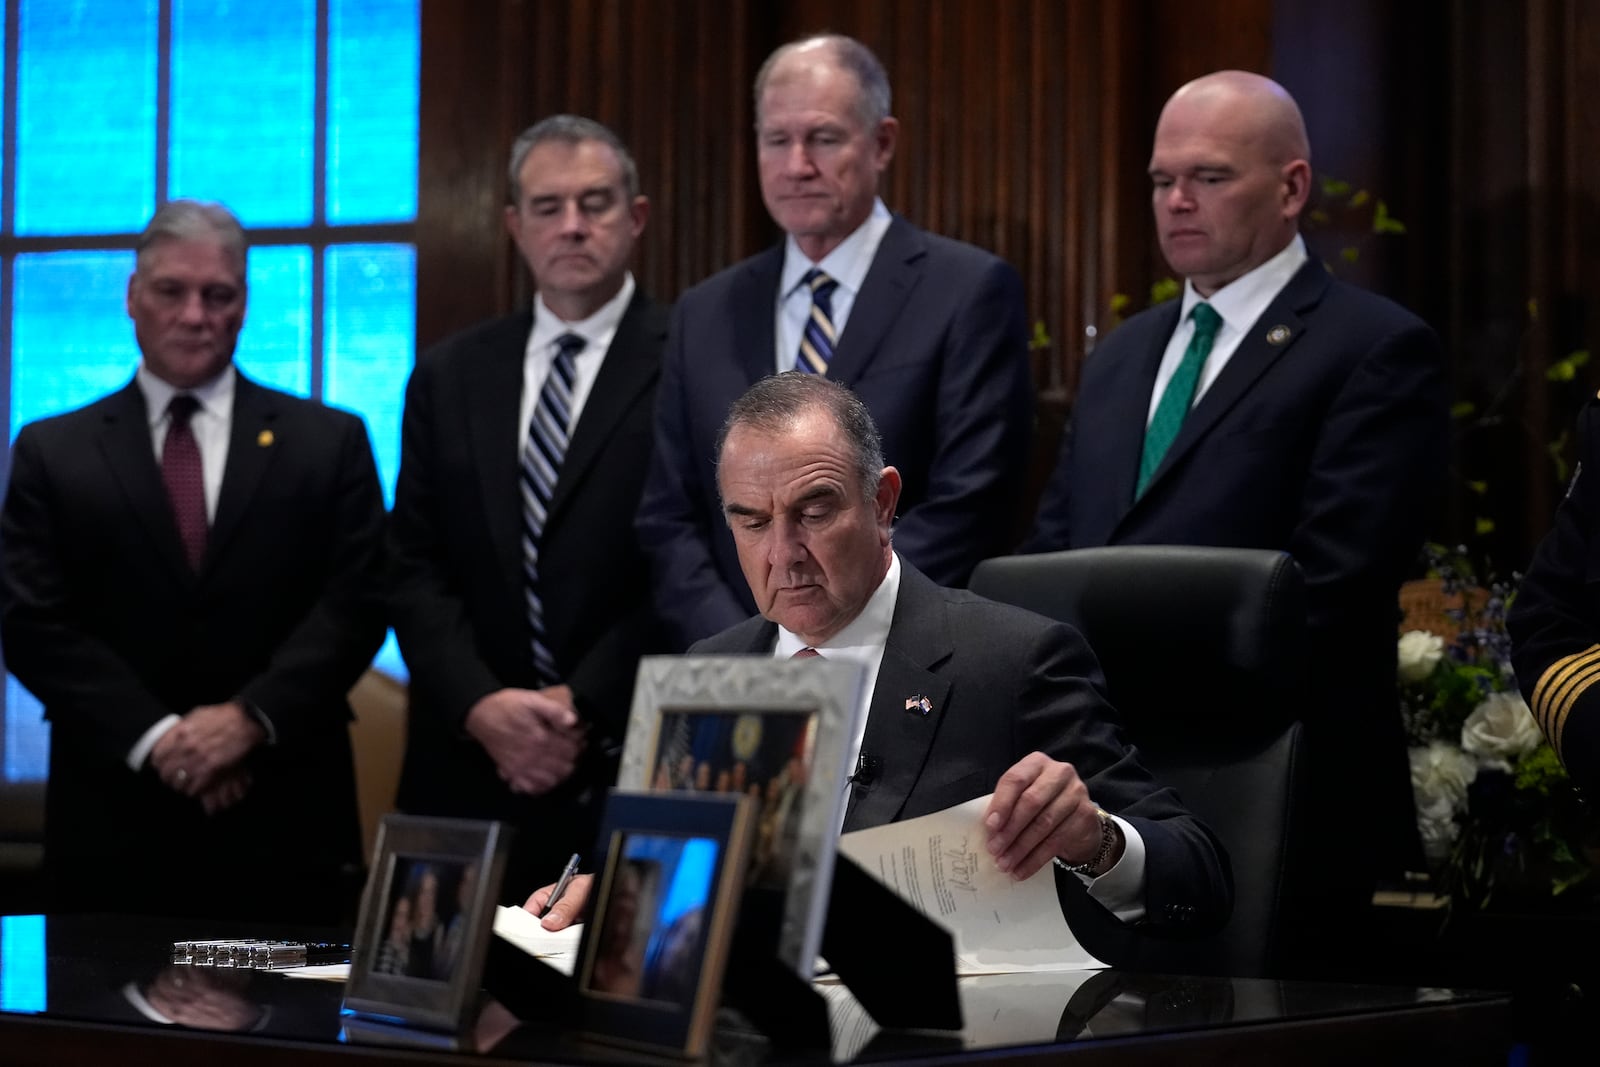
column 426, row 916
column 651, row 962
column 775, row 731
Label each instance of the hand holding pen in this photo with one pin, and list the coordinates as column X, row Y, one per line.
column 561, row 904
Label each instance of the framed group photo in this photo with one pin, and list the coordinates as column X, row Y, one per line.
column 651, row 963
column 425, row 920
column 773, row 731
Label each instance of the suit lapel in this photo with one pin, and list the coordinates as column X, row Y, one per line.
column 125, row 444
column 630, row 365
column 491, row 393
column 897, row 738
column 1266, row 341
column 754, row 300
column 896, row 269
column 252, row 447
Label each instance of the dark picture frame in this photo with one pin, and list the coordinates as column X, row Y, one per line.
column 651, row 961
column 697, row 720
column 426, row 915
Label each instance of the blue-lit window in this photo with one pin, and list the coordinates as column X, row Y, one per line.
column 300, row 115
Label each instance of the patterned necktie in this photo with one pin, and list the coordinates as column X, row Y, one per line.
column 1175, row 402
column 184, row 479
column 816, row 343
column 542, row 453
column 807, row 653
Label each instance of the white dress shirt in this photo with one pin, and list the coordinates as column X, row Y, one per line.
column 847, row 264
column 1240, row 303
column 1120, row 890
column 598, row 331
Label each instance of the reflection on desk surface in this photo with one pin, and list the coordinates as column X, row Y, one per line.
column 82, row 968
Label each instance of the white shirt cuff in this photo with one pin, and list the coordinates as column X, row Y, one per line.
column 141, row 751
column 1121, row 889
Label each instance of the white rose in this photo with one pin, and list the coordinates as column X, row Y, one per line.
column 1440, row 774
column 1420, row 653
column 1437, row 826
column 1501, row 728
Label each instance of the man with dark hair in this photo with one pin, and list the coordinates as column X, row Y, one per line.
column 1010, row 702
column 929, row 332
column 190, row 585
column 520, row 597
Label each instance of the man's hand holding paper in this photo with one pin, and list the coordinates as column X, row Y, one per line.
column 1041, row 810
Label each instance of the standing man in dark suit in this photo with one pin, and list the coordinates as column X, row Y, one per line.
column 1270, row 407
column 929, row 332
column 521, row 598
column 190, row 584
column 968, row 696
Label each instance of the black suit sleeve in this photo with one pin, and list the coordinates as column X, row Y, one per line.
column 1379, row 458
column 1554, row 621
column 78, row 677
column 983, row 427
column 327, row 651
column 429, row 613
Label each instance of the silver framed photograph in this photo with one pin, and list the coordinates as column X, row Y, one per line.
column 425, row 920
column 777, row 731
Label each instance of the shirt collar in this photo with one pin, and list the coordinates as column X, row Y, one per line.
column 1244, row 300
column 215, row 396
column 867, row 633
column 597, row 330
column 847, row 264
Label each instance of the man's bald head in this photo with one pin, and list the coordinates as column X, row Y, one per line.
column 1231, row 168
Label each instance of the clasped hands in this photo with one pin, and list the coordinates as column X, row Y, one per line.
column 534, row 736
column 203, row 755
column 1040, row 810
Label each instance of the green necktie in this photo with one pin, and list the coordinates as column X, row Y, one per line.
column 1174, row 405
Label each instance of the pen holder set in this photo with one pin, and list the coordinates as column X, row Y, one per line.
column 258, row 954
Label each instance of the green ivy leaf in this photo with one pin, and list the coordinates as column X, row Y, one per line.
column 1566, row 368
column 1462, row 409
column 1383, row 222
column 1165, row 289
column 1334, row 187
column 1120, row 302
column 1361, row 197
column 1350, row 253
column 1040, row 338
column 1482, row 526
column 1319, row 217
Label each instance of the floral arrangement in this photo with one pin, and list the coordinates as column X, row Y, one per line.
column 1495, row 810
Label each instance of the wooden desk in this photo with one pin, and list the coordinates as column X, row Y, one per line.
column 69, row 987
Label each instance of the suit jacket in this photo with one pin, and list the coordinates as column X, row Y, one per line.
column 105, row 622
column 936, row 345
column 1554, row 621
column 456, row 560
column 1005, row 682
column 1325, row 436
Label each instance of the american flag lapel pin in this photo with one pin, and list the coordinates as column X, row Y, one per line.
column 919, row 703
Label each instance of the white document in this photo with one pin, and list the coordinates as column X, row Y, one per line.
column 518, row 926
column 939, row 864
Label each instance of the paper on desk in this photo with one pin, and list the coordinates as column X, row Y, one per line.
column 938, row 862
column 326, row 972
column 518, row 926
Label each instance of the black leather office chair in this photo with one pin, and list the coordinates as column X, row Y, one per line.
column 1204, row 656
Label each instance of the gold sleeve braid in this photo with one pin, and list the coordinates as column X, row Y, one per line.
column 1560, row 687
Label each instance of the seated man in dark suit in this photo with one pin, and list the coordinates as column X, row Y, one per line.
column 191, row 585
column 520, row 595
column 1015, row 699
column 929, row 332
column 1271, row 406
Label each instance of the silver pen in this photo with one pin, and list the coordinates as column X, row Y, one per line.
column 561, row 885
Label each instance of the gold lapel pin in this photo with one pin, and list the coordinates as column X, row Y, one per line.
column 264, row 439
column 1277, row 335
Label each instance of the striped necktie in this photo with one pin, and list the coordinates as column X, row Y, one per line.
column 542, row 452
column 816, row 342
column 1175, row 402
